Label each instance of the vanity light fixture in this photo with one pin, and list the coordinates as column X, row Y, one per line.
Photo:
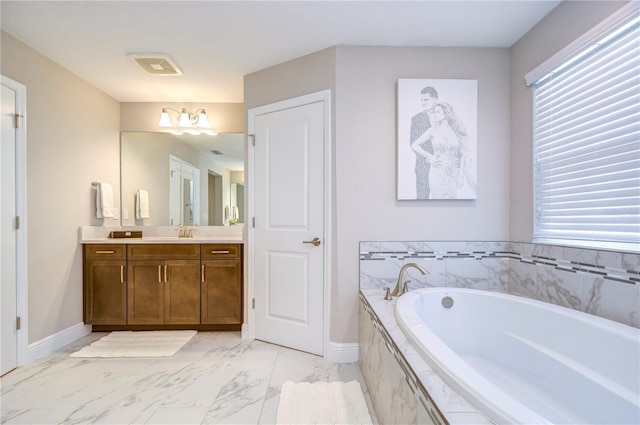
column 193, row 123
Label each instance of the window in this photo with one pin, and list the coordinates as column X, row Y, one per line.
column 586, row 143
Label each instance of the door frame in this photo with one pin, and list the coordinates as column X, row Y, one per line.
column 22, row 335
column 321, row 96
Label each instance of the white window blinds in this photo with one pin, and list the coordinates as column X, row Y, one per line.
column 587, row 145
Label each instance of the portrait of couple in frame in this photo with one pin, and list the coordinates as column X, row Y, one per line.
column 437, row 139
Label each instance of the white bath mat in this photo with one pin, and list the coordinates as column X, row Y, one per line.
column 137, row 344
column 322, row 403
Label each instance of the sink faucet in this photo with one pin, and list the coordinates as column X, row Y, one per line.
column 185, row 232
column 399, row 290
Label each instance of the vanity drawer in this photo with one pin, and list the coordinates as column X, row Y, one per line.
column 164, row 251
column 105, row 252
column 223, row 250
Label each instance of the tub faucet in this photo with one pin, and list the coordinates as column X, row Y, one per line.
column 400, row 289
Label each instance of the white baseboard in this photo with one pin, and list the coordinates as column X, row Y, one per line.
column 336, row 352
column 244, row 329
column 342, row 353
column 54, row 342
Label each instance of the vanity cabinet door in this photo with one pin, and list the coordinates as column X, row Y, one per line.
column 105, row 286
column 145, row 293
column 164, row 292
column 221, row 292
column 221, row 282
column 182, row 292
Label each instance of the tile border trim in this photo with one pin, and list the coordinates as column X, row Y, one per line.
column 630, row 277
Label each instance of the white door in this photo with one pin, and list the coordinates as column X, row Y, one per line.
column 8, row 288
column 289, row 214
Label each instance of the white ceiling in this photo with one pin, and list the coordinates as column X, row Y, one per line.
column 216, row 43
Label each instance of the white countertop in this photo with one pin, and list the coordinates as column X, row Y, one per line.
column 161, row 235
column 162, row 240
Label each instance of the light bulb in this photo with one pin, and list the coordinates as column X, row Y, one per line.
column 184, row 120
column 203, row 121
column 165, row 120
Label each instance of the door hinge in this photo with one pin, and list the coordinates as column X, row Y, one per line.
column 253, row 139
column 17, row 222
column 253, row 303
column 17, row 323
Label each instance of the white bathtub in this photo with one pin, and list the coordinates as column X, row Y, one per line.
column 521, row 361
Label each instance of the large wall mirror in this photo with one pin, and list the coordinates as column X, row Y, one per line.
column 168, row 180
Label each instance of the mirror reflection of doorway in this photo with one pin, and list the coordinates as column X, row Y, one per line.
column 237, row 202
column 184, row 193
column 215, row 199
column 187, row 201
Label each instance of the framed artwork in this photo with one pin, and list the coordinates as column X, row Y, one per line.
column 437, row 139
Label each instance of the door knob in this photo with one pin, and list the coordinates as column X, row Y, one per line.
column 315, row 241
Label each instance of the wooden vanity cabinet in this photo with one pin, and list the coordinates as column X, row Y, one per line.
column 105, row 284
column 221, row 284
column 164, row 284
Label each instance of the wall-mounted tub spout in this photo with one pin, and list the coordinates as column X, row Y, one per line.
column 400, row 289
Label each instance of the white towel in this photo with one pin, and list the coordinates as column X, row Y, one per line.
column 142, row 204
column 104, row 200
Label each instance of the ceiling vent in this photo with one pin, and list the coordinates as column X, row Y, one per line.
column 156, row 63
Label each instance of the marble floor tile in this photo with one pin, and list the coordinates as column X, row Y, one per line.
column 216, row 378
column 178, row 415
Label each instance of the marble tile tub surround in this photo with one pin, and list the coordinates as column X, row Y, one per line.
column 403, row 388
column 603, row 283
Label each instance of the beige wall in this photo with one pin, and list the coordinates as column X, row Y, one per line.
column 365, row 126
column 72, row 139
column 308, row 74
column 563, row 25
